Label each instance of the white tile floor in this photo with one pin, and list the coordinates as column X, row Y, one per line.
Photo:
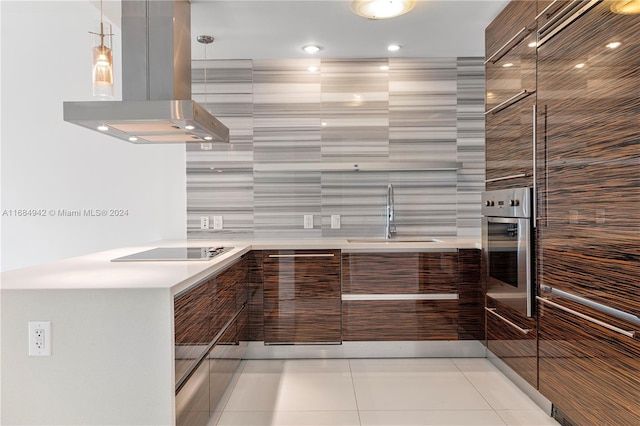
column 431, row 391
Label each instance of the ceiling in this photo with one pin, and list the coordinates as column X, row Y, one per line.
column 277, row 29
column 271, row 29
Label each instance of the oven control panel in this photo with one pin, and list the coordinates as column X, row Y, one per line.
column 515, row 202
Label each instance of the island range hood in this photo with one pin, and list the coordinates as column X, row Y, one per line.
column 156, row 82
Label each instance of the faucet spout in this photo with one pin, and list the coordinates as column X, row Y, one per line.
column 390, row 223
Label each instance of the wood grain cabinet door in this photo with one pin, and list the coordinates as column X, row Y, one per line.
column 302, row 296
column 589, row 159
column 590, row 373
column 510, row 84
column 400, row 296
column 512, row 337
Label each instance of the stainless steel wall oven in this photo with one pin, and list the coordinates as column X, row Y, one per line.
column 507, row 247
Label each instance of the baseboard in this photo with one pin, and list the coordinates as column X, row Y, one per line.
column 521, row 383
column 396, row 349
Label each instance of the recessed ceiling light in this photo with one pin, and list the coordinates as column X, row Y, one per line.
column 103, row 128
column 384, row 68
column 580, row 65
column 507, row 65
column 626, row 7
column 532, row 44
column 381, row 9
column 311, row 48
column 324, row 123
column 357, row 96
column 189, row 127
column 208, row 138
column 613, row 45
column 132, row 139
column 394, row 47
column 313, row 68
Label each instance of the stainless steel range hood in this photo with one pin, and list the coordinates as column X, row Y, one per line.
column 156, row 82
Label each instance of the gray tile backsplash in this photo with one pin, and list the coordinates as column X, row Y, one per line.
column 289, row 125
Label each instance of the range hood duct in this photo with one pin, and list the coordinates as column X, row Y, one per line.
column 156, row 104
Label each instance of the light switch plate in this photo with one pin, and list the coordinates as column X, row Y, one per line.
column 39, row 338
column 204, row 222
column 217, row 222
column 335, row 221
column 308, row 221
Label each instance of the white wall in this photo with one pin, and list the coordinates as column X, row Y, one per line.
column 111, row 358
column 50, row 164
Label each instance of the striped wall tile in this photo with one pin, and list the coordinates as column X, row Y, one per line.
column 470, row 144
column 288, row 122
column 422, row 109
column 220, row 176
column 355, row 110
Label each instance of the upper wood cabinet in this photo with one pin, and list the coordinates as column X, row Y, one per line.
column 302, row 296
column 510, row 84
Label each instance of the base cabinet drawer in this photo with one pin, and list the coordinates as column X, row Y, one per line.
column 301, row 296
column 391, row 320
column 590, row 373
column 513, row 339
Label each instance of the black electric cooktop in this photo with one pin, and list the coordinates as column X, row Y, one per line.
column 174, row 254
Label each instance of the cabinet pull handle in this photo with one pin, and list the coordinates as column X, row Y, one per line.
column 512, row 324
column 546, row 9
column 617, row 313
column 564, row 18
column 302, row 255
column 512, row 100
column 523, row 32
column 631, row 334
column 505, row 178
column 535, row 168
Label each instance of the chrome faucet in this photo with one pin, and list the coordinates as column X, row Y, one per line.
column 390, row 225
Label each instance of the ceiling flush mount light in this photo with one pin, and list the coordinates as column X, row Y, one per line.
column 102, row 70
column 626, row 7
column 381, row 9
column 311, row 48
column 394, row 47
column 613, row 45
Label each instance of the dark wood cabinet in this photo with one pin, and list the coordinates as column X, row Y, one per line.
column 588, row 230
column 588, row 371
column 512, row 337
column 211, row 331
column 510, row 85
column 589, row 159
column 410, row 296
column 301, row 299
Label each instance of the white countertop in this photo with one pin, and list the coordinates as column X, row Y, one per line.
column 96, row 271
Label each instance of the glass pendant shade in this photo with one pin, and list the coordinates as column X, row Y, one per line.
column 102, row 70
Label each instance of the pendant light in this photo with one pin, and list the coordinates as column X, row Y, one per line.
column 102, row 70
column 381, row 9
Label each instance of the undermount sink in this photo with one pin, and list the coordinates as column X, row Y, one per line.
column 394, row 240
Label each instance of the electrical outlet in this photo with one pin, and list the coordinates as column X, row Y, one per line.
column 335, row 221
column 217, row 222
column 204, row 222
column 39, row 338
column 308, row 221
